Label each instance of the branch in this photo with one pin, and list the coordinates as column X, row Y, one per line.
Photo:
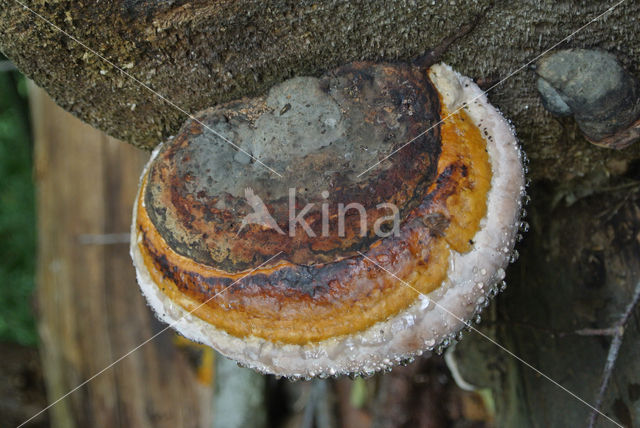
column 617, row 331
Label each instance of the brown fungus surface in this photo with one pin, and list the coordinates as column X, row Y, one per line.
column 320, row 134
column 316, row 298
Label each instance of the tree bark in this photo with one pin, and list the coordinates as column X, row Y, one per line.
column 199, row 53
column 578, row 273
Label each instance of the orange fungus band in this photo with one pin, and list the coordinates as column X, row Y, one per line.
column 345, row 296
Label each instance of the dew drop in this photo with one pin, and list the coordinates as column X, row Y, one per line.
column 407, row 361
column 424, row 302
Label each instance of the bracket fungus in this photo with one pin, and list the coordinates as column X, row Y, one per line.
column 335, row 267
column 592, row 86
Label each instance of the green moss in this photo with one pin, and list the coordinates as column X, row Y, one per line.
column 17, row 214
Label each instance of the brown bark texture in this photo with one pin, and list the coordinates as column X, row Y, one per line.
column 199, row 53
column 567, row 296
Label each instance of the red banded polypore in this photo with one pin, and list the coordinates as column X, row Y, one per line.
column 333, row 294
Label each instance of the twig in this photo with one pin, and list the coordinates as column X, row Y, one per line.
column 611, row 331
column 104, row 239
column 428, row 59
column 610, row 212
column 618, row 332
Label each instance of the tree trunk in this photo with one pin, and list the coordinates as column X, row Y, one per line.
column 198, row 53
column 578, row 277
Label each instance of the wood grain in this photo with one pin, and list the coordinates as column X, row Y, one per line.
column 90, row 310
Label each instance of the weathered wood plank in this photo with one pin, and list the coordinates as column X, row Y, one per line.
column 90, row 310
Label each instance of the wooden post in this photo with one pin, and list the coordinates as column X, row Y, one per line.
column 90, row 310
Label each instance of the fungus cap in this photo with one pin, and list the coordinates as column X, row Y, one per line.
column 282, row 274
